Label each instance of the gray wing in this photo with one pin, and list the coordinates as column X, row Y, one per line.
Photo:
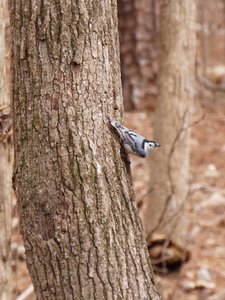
column 128, row 137
column 124, row 134
column 137, row 147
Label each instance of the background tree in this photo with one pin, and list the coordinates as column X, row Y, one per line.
column 79, row 221
column 6, row 157
column 138, row 28
column 170, row 165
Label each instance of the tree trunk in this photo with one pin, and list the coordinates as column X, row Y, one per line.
column 137, row 27
column 170, row 165
column 79, row 220
column 6, row 158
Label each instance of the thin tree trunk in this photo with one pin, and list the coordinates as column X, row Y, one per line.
column 203, row 42
column 6, row 159
column 170, row 165
column 137, row 27
column 79, row 221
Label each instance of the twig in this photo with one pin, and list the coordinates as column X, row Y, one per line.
column 161, row 223
column 209, row 84
column 26, row 292
column 169, row 197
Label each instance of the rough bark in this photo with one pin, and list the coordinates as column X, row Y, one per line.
column 137, row 28
column 79, row 221
column 170, row 165
column 6, row 158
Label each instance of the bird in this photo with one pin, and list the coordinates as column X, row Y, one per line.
column 133, row 142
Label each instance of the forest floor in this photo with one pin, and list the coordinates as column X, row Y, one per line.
column 203, row 276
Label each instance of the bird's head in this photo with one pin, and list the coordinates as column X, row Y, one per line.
column 151, row 145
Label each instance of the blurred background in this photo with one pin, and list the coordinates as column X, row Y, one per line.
column 188, row 256
column 195, row 268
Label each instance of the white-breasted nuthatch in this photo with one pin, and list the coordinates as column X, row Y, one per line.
column 133, row 142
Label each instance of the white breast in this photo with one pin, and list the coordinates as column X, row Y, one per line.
column 128, row 149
